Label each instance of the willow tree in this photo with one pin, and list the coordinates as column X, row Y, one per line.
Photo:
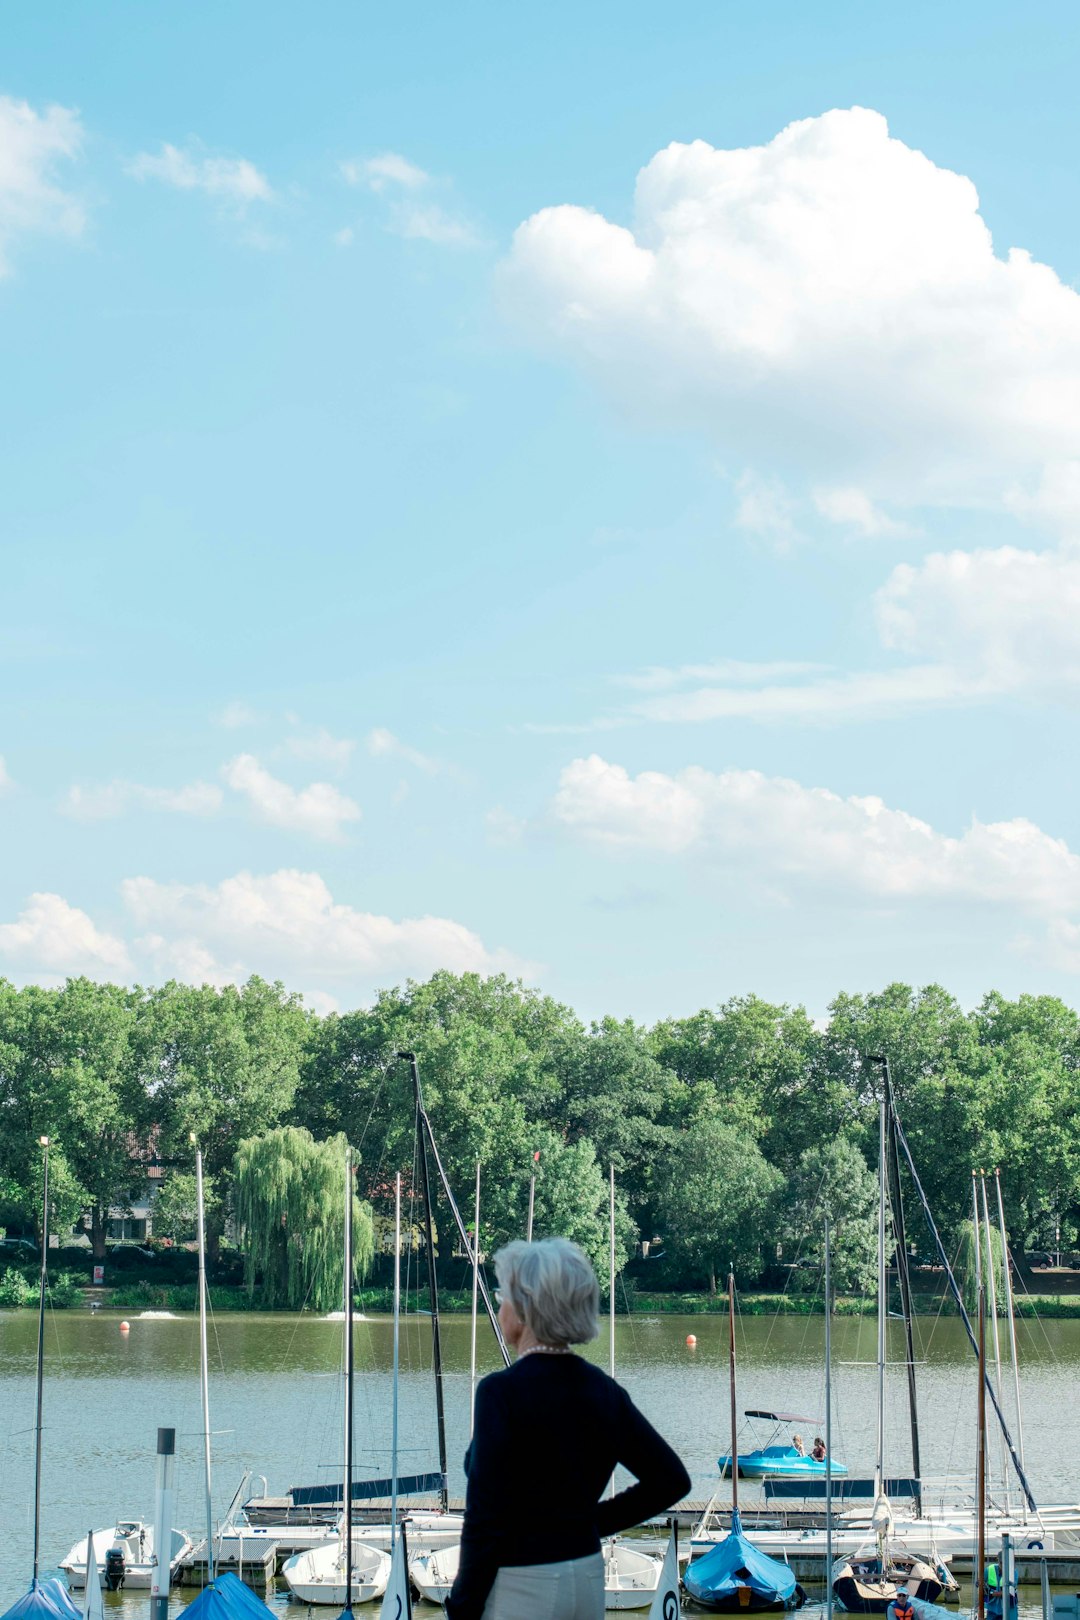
column 290, row 1198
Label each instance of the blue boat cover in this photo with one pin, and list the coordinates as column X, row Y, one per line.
column 736, row 1562
column 227, row 1599
column 46, row 1600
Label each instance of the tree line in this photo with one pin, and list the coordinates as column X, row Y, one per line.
column 731, row 1131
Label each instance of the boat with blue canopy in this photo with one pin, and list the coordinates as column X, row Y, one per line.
column 772, row 1461
column 735, row 1575
column 46, row 1600
column 227, row 1599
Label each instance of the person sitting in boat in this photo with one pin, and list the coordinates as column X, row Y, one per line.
column 817, row 1450
column 797, row 1444
column 558, row 1424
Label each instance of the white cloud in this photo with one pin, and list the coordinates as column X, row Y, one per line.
column 387, row 170
column 5, row 777
column 736, row 670
column 117, row 798
column 393, row 177
column 765, row 508
column 319, row 809
column 853, row 509
column 428, row 222
column 856, row 846
column 50, row 934
column 980, row 625
column 287, row 924
column 382, row 744
column 235, row 714
column 829, row 306
column 33, row 147
column 1011, row 616
column 232, row 180
column 316, row 743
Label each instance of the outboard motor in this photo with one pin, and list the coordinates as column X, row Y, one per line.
column 114, row 1569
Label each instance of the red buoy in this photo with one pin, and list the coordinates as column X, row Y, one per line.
column 125, row 1327
column 691, row 1339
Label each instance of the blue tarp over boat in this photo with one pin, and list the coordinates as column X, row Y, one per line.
column 46, row 1600
column 227, row 1599
column 735, row 1575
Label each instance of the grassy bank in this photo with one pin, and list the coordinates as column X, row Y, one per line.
column 68, row 1290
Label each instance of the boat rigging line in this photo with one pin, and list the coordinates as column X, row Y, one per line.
column 427, row 1139
column 964, row 1317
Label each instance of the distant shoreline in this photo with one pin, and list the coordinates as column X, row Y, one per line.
column 134, row 1299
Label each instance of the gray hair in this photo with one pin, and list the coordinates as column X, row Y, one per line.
column 552, row 1287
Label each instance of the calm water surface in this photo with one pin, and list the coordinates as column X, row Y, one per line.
column 276, row 1408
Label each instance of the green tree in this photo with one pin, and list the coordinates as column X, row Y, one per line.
column 34, row 1102
column 718, row 1201
column 572, row 1201
column 104, row 1104
column 290, row 1199
column 833, row 1180
column 176, row 1208
column 221, row 1065
column 938, row 1083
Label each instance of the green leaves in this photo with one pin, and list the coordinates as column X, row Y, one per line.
column 290, row 1209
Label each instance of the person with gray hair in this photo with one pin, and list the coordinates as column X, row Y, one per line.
column 549, row 1431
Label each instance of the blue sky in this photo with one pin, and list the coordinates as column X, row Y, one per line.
column 593, row 494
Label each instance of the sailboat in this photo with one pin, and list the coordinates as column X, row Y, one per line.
column 630, row 1577
column 49, row 1599
column 345, row 1570
column 734, row 1574
column 869, row 1580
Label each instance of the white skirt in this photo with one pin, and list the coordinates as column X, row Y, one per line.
column 573, row 1590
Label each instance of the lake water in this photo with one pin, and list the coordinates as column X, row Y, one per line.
column 276, row 1408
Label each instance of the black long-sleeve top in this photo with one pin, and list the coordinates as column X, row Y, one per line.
column 548, row 1432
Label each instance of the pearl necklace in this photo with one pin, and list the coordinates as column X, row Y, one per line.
column 546, row 1350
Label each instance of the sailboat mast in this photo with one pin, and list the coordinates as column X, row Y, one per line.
column 475, row 1301
column 903, row 1270
column 992, row 1304
column 397, row 1357
column 347, row 1547
column 611, row 1270
column 731, row 1395
column 882, row 1306
column 828, row 1424
column 43, row 1284
column 204, row 1371
column 980, row 1471
column 433, row 1282
column 1010, row 1308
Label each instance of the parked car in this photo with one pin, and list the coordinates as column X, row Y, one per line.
column 21, row 1245
column 1038, row 1259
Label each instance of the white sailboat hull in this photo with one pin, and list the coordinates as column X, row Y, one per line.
column 318, row 1576
column 434, row 1573
column 135, row 1541
column 630, row 1577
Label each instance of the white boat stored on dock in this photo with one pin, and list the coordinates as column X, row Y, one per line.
column 124, row 1554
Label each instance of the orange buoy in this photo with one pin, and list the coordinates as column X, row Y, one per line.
column 691, row 1339
column 125, row 1327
